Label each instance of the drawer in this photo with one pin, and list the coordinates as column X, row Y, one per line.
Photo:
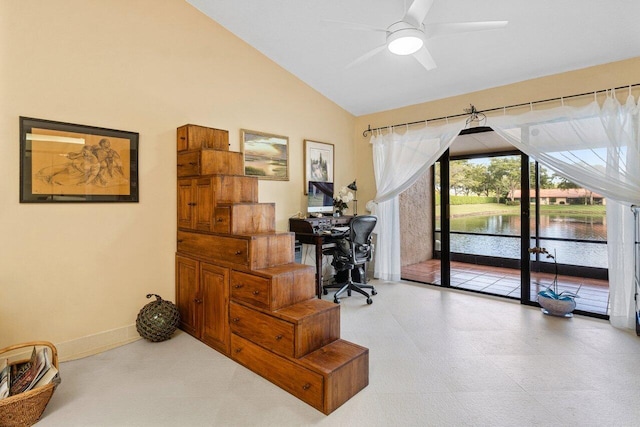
column 210, row 246
column 300, row 382
column 271, row 333
column 188, row 164
column 251, row 289
column 194, row 137
column 209, row 162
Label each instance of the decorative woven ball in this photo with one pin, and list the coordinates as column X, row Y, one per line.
column 158, row 320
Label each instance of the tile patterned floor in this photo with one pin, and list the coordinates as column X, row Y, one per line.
column 593, row 294
column 437, row 357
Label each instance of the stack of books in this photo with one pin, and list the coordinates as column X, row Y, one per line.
column 19, row 377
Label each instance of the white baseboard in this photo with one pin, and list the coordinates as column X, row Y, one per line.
column 97, row 343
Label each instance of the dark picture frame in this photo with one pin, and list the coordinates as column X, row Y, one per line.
column 65, row 162
column 318, row 162
column 266, row 156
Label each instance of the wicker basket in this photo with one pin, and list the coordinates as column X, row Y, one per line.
column 25, row 409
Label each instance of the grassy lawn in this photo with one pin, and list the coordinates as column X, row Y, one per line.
column 498, row 208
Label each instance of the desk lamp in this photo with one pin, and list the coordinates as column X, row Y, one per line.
column 354, row 188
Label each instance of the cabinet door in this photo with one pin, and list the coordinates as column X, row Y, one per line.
column 214, row 283
column 186, row 218
column 187, row 297
column 203, row 204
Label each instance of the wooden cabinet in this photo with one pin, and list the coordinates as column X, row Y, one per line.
column 238, row 289
column 202, row 297
column 195, row 204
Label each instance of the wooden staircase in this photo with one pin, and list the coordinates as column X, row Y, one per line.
column 238, row 288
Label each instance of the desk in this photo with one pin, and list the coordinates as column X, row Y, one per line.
column 310, row 231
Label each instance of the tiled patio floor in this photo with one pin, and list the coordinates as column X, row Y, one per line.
column 593, row 294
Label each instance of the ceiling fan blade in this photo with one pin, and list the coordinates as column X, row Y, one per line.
column 353, row 25
column 437, row 30
column 425, row 59
column 417, row 12
column 366, row 56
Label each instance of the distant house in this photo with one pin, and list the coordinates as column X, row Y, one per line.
column 571, row 196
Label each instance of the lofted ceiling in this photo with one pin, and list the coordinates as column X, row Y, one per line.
column 542, row 37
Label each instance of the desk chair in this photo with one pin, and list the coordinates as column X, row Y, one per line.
column 350, row 253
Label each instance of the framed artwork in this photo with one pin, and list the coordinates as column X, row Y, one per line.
column 64, row 162
column 266, row 156
column 318, row 162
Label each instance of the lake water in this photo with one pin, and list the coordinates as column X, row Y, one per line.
column 580, row 227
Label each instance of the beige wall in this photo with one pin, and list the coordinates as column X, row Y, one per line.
column 585, row 80
column 77, row 274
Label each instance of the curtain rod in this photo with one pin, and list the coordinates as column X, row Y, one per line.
column 369, row 129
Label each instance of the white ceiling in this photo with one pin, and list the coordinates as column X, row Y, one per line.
column 543, row 37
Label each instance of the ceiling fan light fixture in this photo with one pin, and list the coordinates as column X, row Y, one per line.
column 405, row 41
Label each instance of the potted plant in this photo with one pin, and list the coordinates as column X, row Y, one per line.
column 555, row 303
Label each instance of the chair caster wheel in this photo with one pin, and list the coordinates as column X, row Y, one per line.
column 373, row 292
column 325, row 292
column 336, row 300
column 369, row 301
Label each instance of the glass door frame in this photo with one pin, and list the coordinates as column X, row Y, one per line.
column 445, row 221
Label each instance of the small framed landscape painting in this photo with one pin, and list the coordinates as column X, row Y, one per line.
column 266, row 156
column 318, row 162
column 64, row 162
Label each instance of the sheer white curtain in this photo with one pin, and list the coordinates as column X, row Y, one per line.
column 398, row 161
column 597, row 148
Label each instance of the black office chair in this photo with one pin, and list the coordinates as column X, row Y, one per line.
column 351, row 253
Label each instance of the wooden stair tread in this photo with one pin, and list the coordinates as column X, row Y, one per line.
column 301, row 311
column 333, row 356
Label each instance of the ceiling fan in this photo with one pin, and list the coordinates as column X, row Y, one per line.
column 408, row 36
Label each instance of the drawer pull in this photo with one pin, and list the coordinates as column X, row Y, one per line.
column 238, row 350
column 219, row 219
column 238, row 286
column 236, row 319
column 193, row 163
column 192, row 203
column 197, row 300
column 307, row 386
column 278, row 337
column 238, row 252
column 256, row 292
column 183, row 138
column 180, row 165
column 180, row 240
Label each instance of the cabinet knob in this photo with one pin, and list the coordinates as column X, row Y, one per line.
column 180, row 240
column 180, row 165
column 256, row 292
column 219, row 219
column 236, row 319
column 183, row 138
column 193, row 163
column 238, row 350
column 307, row 386
column 197, row 300
column 192, row 203
column 278, row 337
column 238, row 286
column 238, row 252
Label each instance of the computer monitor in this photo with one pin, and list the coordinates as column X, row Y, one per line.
column 320, row 199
